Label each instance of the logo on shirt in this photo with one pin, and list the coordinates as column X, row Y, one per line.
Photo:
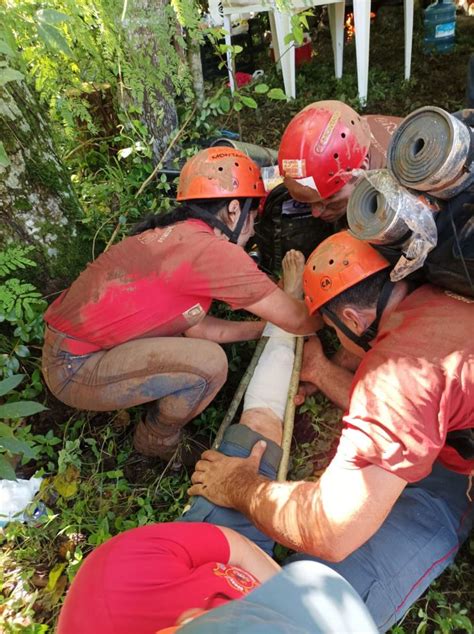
column 237, row 578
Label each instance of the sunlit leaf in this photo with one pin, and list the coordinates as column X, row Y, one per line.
column 50, row 16
column 15, row 446
column 224, row 103
column 249, row 102
column 7, row 472
column 20, row 409
column 276, row 93
column 7, row 385
column 261, row 89
column 66, row 484
column 9, row 74
column 22, row 351
column 5, row 49
column 54, row 574
column 52, row 37
column 5, row 431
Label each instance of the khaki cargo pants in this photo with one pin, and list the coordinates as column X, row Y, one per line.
column 178, row 376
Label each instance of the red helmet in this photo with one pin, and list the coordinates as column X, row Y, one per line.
column 220, row 172
column 321, row 146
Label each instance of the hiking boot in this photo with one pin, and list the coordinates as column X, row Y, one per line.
column 148, row 441
column 189, row 450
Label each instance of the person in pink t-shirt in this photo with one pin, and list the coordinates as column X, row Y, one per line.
column 133, row 328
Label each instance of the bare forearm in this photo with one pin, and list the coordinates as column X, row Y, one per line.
column 289, row 512
column 286, row 312
column 224, row 331
column 333, row 381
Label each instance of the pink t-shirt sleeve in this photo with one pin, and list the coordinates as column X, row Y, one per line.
column 228, row 274
column 393, row 419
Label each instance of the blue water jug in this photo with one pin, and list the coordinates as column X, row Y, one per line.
column 440, row 26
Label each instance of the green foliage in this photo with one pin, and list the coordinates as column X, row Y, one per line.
column 97, row 464
column 14, row 258
column 10, row 444
column 21, row 310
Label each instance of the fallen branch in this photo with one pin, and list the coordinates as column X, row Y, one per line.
column 289, row 420
column 239, row 393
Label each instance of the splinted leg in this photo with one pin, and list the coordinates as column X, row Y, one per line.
column 262, row 416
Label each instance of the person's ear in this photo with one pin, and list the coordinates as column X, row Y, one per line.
column 354, row 319
column 233, row 213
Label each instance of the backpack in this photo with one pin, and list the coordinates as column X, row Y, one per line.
column 287, row 224
column 450, row 264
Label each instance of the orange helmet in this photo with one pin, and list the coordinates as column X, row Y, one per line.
column 339, row 262
column 321, row 146
column 220, row 172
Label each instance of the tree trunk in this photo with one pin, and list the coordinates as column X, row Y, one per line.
column 195, row 65
column 149, row 29
column 38, row 205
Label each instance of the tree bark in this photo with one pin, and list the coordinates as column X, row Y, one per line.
column 149, row 29
column 38, row 205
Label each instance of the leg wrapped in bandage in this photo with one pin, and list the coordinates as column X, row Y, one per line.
column 269, row 385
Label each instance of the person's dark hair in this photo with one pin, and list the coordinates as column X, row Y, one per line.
column 184, row 212
column 362, row 295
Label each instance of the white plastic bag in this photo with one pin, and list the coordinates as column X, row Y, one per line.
column 15, row 495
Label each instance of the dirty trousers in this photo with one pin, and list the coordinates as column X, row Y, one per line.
column 419, row 539
column 177, row 375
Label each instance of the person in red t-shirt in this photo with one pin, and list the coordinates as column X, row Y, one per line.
column 320, row 148
column 396, row 501
column 133, row 328
column 147, row 578
column 203, row 578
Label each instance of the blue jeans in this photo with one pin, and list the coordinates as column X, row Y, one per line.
column 238, row 442
column 417, row 541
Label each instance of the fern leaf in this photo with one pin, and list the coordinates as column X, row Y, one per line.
column 13, row 258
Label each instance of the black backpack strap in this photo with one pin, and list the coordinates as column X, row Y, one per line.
column 463, row 441
column 233, row 235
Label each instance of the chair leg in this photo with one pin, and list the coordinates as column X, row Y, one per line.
column 287, row 53
column 273, row 29
column 336, row 24
column 362, row 39
column 408, row 8
column 230, row 60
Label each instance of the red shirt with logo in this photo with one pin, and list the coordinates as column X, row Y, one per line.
column 144, row 579
column 158, row 283
column 382, row 129
column 413, row 387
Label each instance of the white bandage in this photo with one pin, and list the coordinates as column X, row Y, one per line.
column 268, row 388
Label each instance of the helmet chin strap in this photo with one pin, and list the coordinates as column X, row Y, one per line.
column 370, row 333
column 213, row 221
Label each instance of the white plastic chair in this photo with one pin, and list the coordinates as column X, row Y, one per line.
column 280, row 24
column 361, row 10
